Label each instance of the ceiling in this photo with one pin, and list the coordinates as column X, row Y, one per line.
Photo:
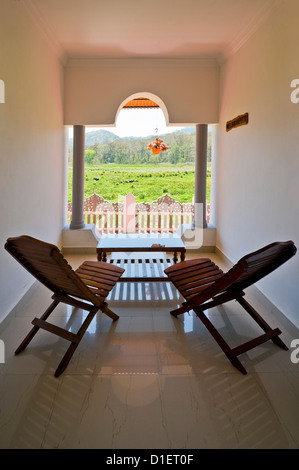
column 128, row 29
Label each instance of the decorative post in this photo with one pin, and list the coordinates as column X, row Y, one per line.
column 200, row 186
column 129, row 213
column 77, row 221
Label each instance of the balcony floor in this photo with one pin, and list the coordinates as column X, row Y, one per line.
column 147, row 381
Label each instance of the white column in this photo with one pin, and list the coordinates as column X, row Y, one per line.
column 77, row 221
column 2, row 92
column 214, row 178
column 200, row 185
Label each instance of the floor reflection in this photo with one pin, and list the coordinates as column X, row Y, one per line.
column 148, row 380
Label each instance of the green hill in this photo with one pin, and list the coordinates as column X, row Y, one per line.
column 100, row 136
column 102, row 147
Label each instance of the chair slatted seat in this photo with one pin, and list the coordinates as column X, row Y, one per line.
column 204, row 285
column 86, row 287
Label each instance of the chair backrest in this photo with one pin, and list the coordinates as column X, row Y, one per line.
column 260, row 263
column 45, row 262
column 249, row 269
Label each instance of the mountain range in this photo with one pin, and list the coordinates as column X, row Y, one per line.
column 103, row 137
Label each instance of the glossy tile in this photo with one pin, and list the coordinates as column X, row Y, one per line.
column 149, row 380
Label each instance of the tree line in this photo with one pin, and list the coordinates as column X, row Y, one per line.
column 133, row 151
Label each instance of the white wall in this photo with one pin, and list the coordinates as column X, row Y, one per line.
column 258, row 173
column 31, row 145
column 94, row 89
column 258, row 164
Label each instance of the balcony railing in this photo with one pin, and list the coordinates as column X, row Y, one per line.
column 164, row 215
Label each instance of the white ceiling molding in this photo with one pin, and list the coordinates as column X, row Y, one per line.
column 253, row 25
column 43, row 28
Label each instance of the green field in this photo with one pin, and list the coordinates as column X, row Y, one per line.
column 146, row 182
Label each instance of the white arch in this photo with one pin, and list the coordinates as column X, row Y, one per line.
column 2, row 92
column 148, row 95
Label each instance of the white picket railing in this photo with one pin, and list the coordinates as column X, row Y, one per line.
column 164, row 215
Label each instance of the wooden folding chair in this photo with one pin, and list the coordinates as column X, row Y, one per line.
column 85, row 288
column 204, row 285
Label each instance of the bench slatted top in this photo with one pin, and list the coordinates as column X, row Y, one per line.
column 140, row 241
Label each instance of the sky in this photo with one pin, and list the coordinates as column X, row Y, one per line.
column 138, row 123
column 141, row 123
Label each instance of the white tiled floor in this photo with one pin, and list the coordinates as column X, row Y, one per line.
column 147, row 381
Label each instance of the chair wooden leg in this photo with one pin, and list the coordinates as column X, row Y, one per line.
column 35, row 329
column 73, row 346
column 105, row 309
column 221, row 342
column 180, row 310
column 237, row 364
column 66, row 359
column 262, row 323
column 74, row 338
column 232, row 353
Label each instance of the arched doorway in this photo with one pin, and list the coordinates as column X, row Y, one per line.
column 141, row 100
